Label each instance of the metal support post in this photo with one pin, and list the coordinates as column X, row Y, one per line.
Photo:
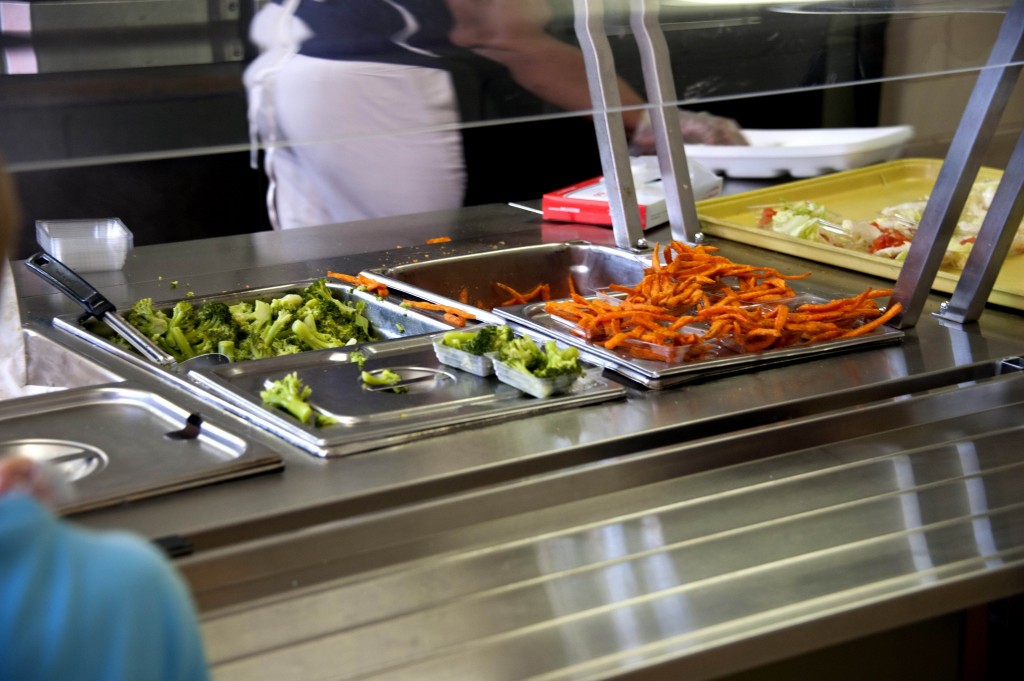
column 992, row 244
column 960, row 167
column 668, row 137
column 611, row 132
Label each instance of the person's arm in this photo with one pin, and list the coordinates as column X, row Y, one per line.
column 513, row 33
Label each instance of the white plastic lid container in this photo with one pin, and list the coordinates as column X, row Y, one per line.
column 532, row 385
column 89, row 245
column 478, row 365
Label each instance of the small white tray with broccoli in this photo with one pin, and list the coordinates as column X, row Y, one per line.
column 471, row 349
column 540, row 370
column 372, row 395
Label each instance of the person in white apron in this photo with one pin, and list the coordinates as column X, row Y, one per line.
column 359, row 103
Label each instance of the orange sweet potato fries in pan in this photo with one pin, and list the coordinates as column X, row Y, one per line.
column 685, row 303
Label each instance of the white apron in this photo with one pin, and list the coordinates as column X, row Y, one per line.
column 349, row 140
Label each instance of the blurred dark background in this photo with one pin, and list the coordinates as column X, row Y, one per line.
column 147, row 121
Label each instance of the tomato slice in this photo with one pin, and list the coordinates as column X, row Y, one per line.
column 766, row 217
column 887, row 239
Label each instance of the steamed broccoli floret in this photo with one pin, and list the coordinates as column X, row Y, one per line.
column 479, row 342
column 319, row 290
column 214, row 327
column 285, row 346
column 384, row 377
column 251, row 318
column 524, row 355
column 255, row 330
column 564, row 362
column 347, row 331
column 183, row 315
column 183, row 318
column 252, row 347
column 305, row 330
column 290, row 302
column 214, row 312
column 261, row 316
column 227, row 348
column 280, row 323
column 332, row 316
column 292, row 395
column 241, row 312
column 215, row 323
column 147, row 319
column 174, row 333
column 291, row 323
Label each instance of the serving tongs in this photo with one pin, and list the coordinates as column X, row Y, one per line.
column 70, row 283
column 608, row 122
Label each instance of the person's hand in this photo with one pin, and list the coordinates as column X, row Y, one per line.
column 698, row 127
column 20, row 473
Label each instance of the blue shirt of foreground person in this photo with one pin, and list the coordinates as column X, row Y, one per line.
column 77, row 604
column 82, row 605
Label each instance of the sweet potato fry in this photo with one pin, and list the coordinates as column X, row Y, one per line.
column 361, row 280
column 893, row 310
column 516, row 299
column 452, row 315
column 454, row 319
column 541, row 291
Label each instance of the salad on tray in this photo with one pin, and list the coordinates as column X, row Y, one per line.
column 890, row 234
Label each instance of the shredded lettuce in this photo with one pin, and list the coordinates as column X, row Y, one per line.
column 800, row 219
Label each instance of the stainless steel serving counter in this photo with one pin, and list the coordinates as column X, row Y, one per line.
column 691, row 532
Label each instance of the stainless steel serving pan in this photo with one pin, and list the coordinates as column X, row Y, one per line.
column 590, row 266
column 439, row 398
column 388, row 319
column 122, row 442
column 658, row 374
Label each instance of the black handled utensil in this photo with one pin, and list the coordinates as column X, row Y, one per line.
column 68, row 282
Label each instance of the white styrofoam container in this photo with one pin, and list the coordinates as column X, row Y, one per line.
column 803, row 153
column 89, row 245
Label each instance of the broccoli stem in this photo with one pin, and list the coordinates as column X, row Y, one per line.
column 177, row 337
column 384, row 377
column 296, row 407
column 290, row 394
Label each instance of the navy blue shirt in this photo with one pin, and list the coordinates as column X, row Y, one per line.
column 377, row 30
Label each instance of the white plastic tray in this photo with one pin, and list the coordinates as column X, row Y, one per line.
column 531, row 385
column 803, row 153
column 478, row 365
column 86, row 245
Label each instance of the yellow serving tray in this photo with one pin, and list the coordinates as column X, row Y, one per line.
column 858, row 195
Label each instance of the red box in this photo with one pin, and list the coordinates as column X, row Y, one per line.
column 587, row 202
